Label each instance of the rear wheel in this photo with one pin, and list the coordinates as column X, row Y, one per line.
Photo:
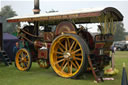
column 43, row 63
column 68, row 55
column 23, row 60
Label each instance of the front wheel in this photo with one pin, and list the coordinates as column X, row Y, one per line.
column 23, row 60
column 68, row 55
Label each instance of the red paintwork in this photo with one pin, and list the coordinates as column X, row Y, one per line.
column 48, row 36
column 43, row 54
column 65, row 26
column 99, row 45
column 48, row 45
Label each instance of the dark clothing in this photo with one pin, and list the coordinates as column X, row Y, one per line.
column 15, row 49
column 113, row 49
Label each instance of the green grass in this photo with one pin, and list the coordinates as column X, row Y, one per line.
column 37, row 76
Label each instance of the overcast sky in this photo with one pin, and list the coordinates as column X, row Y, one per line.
column 24, row 7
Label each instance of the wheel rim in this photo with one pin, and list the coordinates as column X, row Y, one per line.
column 43, row 63
column 22, row 60
column 66, row 56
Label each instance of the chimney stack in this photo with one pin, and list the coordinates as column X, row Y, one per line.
column 36, row 9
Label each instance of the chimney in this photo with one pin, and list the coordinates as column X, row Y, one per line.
column 36, row 9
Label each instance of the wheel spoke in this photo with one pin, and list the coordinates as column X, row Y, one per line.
column 72, row 46
column 66, row 47
column 22, row 65
column 68, row 42
column 59, row 52
column 75, row 46
column 59, row 61
column 61, row 49
column 25, row 64
column 64, row 67
column 27, row 59
column 62, row 63
column 61, row 45
column 25, row 56
column 60, row 57
column 75, row 51
column 19, row 58
column 77, row 63
column 78, row 54
column 73, row 64
column 19, row 62
column 78, row 58
column 22, row 54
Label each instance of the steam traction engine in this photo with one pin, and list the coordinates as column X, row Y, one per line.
column 68, row 49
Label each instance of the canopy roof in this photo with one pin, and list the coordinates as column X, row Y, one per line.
column 78, row 16
column 7, row 36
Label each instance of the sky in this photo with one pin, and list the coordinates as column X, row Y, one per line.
column 24, row 7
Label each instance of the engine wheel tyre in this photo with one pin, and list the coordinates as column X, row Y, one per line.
column 68, row 55
column 23, row 60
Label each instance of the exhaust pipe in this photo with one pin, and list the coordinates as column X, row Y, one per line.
column 36, row 9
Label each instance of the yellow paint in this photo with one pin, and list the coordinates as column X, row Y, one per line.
column 59, row 66
column 24, row 57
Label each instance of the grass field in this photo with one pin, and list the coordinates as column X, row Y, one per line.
column 37, row 76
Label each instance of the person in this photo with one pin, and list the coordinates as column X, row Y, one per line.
column 113, row 49
column 15, row 48
column 113, row 60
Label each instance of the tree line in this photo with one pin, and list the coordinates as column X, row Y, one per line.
column 7, row 12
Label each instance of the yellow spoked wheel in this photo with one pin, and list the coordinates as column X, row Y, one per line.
column 43, row 63
column 68, row 55
column 23, row 60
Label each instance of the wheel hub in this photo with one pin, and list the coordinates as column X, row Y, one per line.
column 22, row 59
column 66, row 55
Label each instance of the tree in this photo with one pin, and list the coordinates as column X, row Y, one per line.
column 7, row 12
column 120, row 32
